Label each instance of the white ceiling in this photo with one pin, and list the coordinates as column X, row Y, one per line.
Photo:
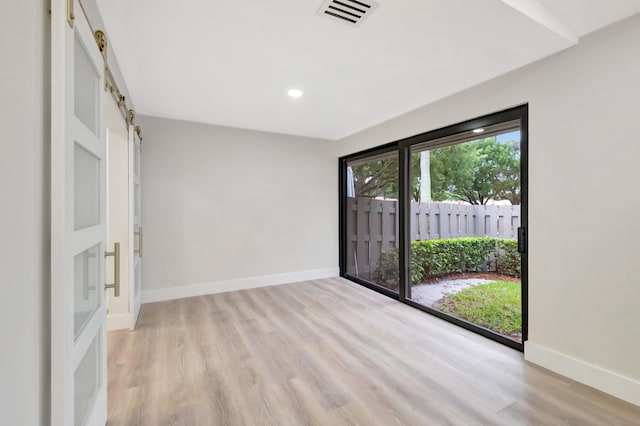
column 231, row 62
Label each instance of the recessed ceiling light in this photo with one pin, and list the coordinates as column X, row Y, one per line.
column 480, row 130
column 295, row 93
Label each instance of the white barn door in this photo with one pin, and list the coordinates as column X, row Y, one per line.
column 135, row 214
column 78, row 216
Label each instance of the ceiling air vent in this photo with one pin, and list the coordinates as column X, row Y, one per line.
column 351, row 12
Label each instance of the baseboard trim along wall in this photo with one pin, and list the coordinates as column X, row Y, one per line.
column 118, row 322
column 599, row 378
column 201, row 289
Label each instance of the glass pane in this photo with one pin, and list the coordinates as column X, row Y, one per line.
column 86, row 382
column 86, row 188
column 136, row 158
column 86, row 86
column 137, row 278
column 136, row 200
column 465, row 215
column 372, row 220
column 87, row 286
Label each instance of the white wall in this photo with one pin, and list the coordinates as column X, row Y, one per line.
column 24, row 214
column 225, row 208
column 584, row 112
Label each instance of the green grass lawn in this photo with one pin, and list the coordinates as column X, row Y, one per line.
column 495, row 306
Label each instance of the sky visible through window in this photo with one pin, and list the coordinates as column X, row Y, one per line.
column 511, row 136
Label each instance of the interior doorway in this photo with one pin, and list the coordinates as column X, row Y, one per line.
column 123, row 218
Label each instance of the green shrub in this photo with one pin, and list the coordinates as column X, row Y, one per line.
column 508, row 258
column 387, row 271
column 441, row 257
column 445, row 256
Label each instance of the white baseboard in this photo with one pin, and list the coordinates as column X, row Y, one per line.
column 201, row 289
column 118, row 322
column 591, row 375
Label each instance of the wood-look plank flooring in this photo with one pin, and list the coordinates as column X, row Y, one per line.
column 330, row 352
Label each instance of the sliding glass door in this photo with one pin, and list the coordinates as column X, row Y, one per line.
column 439, row 220
column 464, row 220
column 371, row 204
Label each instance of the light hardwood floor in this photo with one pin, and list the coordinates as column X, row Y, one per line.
column 330, row 352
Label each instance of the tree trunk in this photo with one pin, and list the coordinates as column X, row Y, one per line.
column 425, row 177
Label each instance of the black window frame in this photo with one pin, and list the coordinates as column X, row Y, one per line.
column 402, row 147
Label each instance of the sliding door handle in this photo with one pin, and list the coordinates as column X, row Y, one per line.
column 116, row 269
column 138, row 251
column 522, row 240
